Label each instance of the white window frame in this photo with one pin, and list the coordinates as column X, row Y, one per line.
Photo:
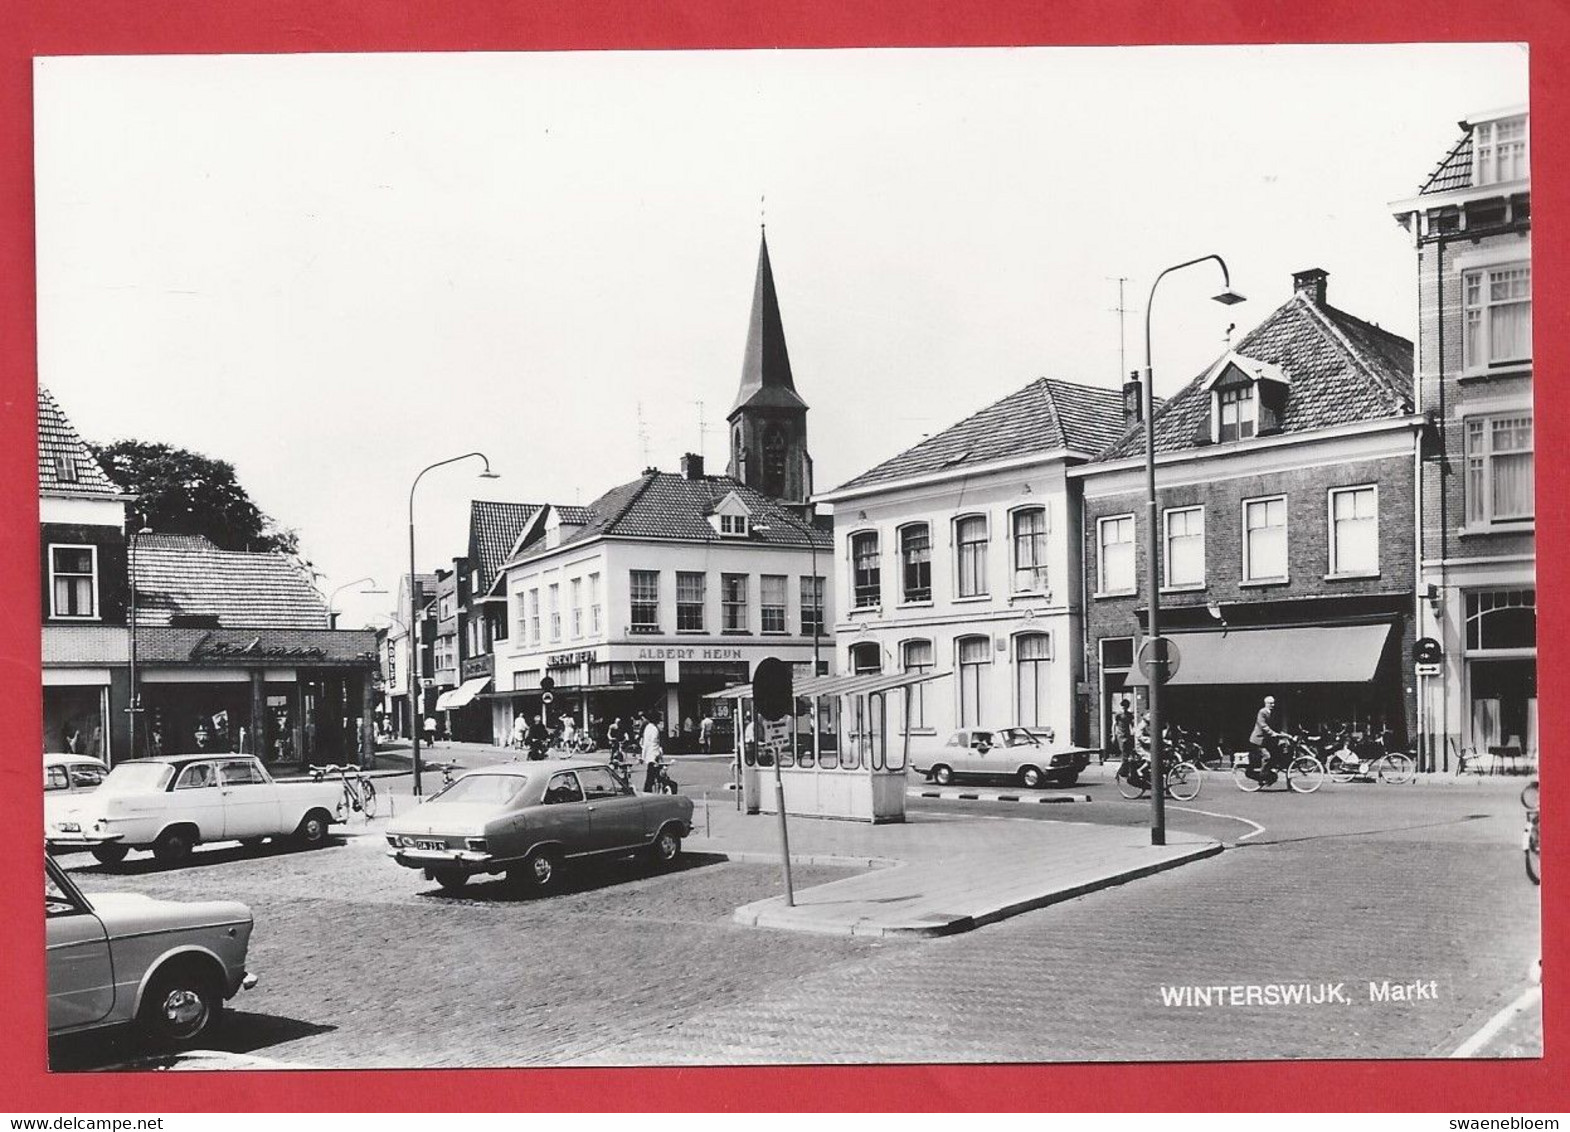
column 905, row 595
column 1040, row 572
column 594, row 604
column 534, row 615
column 984, row 570
column 918, row 692
column 1167, row 582
column 1286, row 540
column 1485, row 151
column 555, row 610
column 1486, row 518
column 575, row 606
column 703, row 600
column 781, row 607
column 1042, row 718
column 816, row 606
column 1482, row 274
column 633, row 623
column 1332, row 540
column 980, row 677
column 877, row 554
column 729, row 608
column 1252, row 419
column 54, row 610
column 1102, row 588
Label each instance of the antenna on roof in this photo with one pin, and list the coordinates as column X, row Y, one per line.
column 643, row 435
column 1121, row 310
column 703, row 427
column 763, row 211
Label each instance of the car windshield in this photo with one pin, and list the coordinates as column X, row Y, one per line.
column 482, row 790
column 1018, row 737
column 137, row 778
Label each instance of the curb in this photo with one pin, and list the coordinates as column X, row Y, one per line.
column 753, row 857
column 977, row 796
column 764, row 913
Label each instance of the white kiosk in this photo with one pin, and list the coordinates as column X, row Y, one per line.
column 838, row 761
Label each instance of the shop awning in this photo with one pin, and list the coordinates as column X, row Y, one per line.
column 1336, row 654
column 837, row 685
column 455, row 698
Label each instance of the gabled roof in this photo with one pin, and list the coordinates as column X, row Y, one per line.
column 1045, row 416
column 186, row 575
column 765, row 368
column 60, row 444
column 1341, row 370
column 493, row 532
column 1454, row 170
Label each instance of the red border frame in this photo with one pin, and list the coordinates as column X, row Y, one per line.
column 89, row 27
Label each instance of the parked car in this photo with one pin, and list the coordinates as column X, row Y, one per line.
column 122, row 957
column 67, row 776
column 1006, row 752
column 527, row 819
column 172, row 803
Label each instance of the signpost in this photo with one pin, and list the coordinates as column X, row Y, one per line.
column 772, row 704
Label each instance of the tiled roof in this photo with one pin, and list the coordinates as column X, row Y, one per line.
column 1046, row 415
column 1341, row 370
column 185, row 575
column 61, row 448
column 1454, row 170
column 254, row 647
column 665, row 505
column 493, row 531
column 572, row 514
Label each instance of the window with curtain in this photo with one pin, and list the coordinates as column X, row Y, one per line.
column 575, row 604
column 1265, row 539
column 915, row 552
column 594, row 603
column 970, row 542
column 975, row 654
column 555, row 611
column 74, row 581
column 916, row 657
column 1030, row 550
column 1499, row 151
column 1239, row 413
column 1499, row 468
column 772, row 602
column 867, row 580
column 534, row 617
column 1116, row 538
column 1033, row 671
column 1354, row 531
column 1497, row 318
column 1185, row 564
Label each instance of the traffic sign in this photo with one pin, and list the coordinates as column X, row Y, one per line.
column 772, row 697
column 1429, row 669
column 1159, row 659
column 547, row 698
column 547, row 684
column 1427, row 651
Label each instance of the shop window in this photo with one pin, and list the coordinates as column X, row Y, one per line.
column 915, row 555
column 733, row 603
column 1030, row 550
column 867, row 576
column 644, row 587
column 1501, row 619
column 1185, row 546
column 772, row 601
column 970, row 545
column 975, row 654
column 1497, row 315
column 1265, row 539
column 1499, row 469
column 73, row 582
column 1354, row 530
column 916, row 657
column 689, row 601
column 1033, row 673
column 1115, row 536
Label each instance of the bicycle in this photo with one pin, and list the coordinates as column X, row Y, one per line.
column 1304, row 773
column 1183, row 780
column 359, row 792
column 1531, row 837
column 1354, row 759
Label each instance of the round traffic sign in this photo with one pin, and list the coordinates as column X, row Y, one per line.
column 1159, row 659
column 547, row 697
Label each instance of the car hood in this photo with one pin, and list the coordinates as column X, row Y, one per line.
column 132, row 911
column 452, row 818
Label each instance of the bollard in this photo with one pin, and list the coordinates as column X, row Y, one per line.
column 708, row 831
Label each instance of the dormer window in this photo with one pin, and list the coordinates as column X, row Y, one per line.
column 1499, row 151
column 65, row 468
column 1239, row 413
column 731, row 518
column 733, row 525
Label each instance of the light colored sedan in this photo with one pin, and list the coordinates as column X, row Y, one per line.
column 122, row 957
column 1014, row 753
column 526, row 819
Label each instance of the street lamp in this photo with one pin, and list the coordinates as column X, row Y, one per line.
column 1158, row 665
column 332, row 613
column 414, row 612
column 817, row 589
column 134, row 710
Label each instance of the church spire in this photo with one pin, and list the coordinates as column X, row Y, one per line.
column 766, row 380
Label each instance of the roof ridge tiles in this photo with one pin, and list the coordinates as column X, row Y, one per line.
column 1373, row 372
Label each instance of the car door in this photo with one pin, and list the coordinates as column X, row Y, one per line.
column 979, row 756
column 250, row 802
column 563, row 815
column 80, row 971
column 616, row 818
column 195, row 798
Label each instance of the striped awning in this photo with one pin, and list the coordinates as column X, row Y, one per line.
column 814, row 686
column 457, row 697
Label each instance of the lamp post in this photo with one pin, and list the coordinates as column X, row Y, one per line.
column 1158, row 667
column 332, row 613
column 134, row 708
column 414, row 613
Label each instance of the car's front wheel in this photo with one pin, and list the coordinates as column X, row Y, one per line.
column 1030, row 777
column 181, row 1003
column 111, row 854
column 312, row 831
column 942, row 775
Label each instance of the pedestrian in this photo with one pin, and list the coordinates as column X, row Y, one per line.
column 652, row 749
column 706, row 734
column 520, row 730
column 539, row 738
column 430, row 731
column 569, row 734
column 1123, row 729
column 689, row 734
column 1264, row 740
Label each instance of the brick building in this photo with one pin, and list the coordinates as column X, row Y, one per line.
column 1285, row 485
column 1471, row 226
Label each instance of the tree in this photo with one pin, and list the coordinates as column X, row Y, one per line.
column 186, row 493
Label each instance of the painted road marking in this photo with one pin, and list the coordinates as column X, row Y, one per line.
column 980, row 796
column 1529, row 998
column 1258, row 829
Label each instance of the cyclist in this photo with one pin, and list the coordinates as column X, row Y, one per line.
column 1264, row 742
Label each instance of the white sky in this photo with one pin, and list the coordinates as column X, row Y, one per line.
column 332, row 270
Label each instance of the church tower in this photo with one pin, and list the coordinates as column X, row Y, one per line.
column 768, row 422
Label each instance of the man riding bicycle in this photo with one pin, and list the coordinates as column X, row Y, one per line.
column 1264, row 742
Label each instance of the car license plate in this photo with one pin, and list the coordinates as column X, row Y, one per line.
column 430, row 844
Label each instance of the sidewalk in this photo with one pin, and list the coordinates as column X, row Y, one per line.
column 937, row 874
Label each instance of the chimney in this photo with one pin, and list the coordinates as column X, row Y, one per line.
column 651, row 470
column 1311, row 283
column 1133, row 401
column 691, row 466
